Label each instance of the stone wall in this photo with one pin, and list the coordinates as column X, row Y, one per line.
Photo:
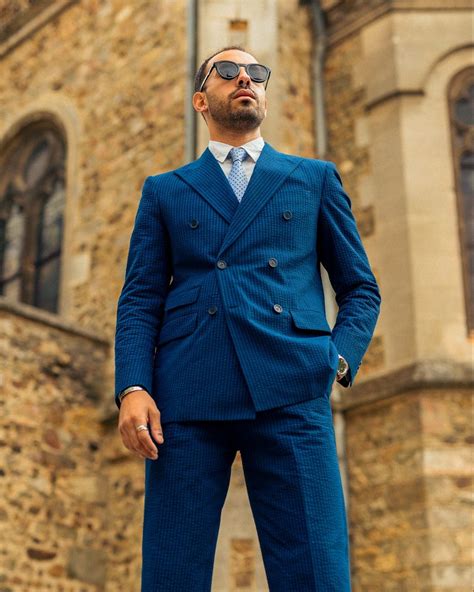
column 295, row 93
column 446, row 418
column 120, row 67
column 53, row 498
column 410, row 478
column 15, row 14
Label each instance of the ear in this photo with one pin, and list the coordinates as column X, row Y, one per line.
column 200, row 102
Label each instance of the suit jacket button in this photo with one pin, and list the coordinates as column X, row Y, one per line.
column 194, row 223
column 277, row 307
column 221, row 264
column 212, row 310
column 287, row 215
column 272, row 262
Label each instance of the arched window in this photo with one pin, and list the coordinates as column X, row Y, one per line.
column 31, row 216
column 461, row 110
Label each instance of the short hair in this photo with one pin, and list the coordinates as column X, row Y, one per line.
column 201, row 73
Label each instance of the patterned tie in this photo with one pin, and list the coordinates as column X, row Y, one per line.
column 237, row 177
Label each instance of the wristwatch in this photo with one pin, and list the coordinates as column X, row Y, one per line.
column 128, row 390
column 343, row 367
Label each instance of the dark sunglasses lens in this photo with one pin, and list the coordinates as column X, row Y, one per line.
column 257, row 72
column 227, row 70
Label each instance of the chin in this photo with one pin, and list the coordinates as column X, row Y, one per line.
column 246, row 104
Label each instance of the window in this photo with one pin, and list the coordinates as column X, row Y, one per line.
column 31, row 216
column 461, row 111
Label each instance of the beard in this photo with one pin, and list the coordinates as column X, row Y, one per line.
column 244, row 115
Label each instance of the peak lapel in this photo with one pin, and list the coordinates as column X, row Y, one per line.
column 271, row 170
column 206, row 176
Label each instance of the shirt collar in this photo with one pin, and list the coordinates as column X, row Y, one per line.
column 220, row 150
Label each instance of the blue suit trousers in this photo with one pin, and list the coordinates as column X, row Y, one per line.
column 291, row 470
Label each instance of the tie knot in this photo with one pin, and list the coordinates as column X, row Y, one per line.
column 238, row 154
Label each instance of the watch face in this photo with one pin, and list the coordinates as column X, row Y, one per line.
column 342, row 365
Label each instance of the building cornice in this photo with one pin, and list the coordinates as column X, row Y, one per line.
column 426, row 375
column 343, row 22
column 44, row 317
column 27, row 22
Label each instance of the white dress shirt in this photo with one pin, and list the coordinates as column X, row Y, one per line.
column 221, row 150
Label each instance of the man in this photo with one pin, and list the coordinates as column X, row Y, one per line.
column 222, row 344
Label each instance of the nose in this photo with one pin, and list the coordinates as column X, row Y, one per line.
column 243, row 78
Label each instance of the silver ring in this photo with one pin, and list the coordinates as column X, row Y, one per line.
column 141, row 427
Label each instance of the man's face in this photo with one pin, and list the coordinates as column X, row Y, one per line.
column 237, row 104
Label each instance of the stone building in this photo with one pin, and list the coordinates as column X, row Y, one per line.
column 94, row 97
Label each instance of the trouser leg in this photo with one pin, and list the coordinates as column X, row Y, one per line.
column 290, row 463
column 185, row 490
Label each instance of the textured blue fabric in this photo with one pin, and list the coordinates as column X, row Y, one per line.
column 291, row 470
column 237, row 177
column 242, row 327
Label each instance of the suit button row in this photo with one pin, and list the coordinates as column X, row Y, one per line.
column 287, row 215
column 276, row 307
column 272, row 262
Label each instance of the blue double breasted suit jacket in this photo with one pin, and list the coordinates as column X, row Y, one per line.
column 222, row 310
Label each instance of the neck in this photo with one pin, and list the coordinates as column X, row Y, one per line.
column 234, row 138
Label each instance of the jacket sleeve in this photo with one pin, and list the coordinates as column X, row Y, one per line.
column 342, row 253
column 140, row 304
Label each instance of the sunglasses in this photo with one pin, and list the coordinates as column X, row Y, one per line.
column 229, row 70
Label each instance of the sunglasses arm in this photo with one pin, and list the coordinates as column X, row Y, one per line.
column 268, row 78
column 205, row 79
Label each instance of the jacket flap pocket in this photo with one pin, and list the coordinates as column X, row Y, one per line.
column 179, row 298
column 310, row 319
column 178, row 327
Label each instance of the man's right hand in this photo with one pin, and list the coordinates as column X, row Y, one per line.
column 138, row 407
